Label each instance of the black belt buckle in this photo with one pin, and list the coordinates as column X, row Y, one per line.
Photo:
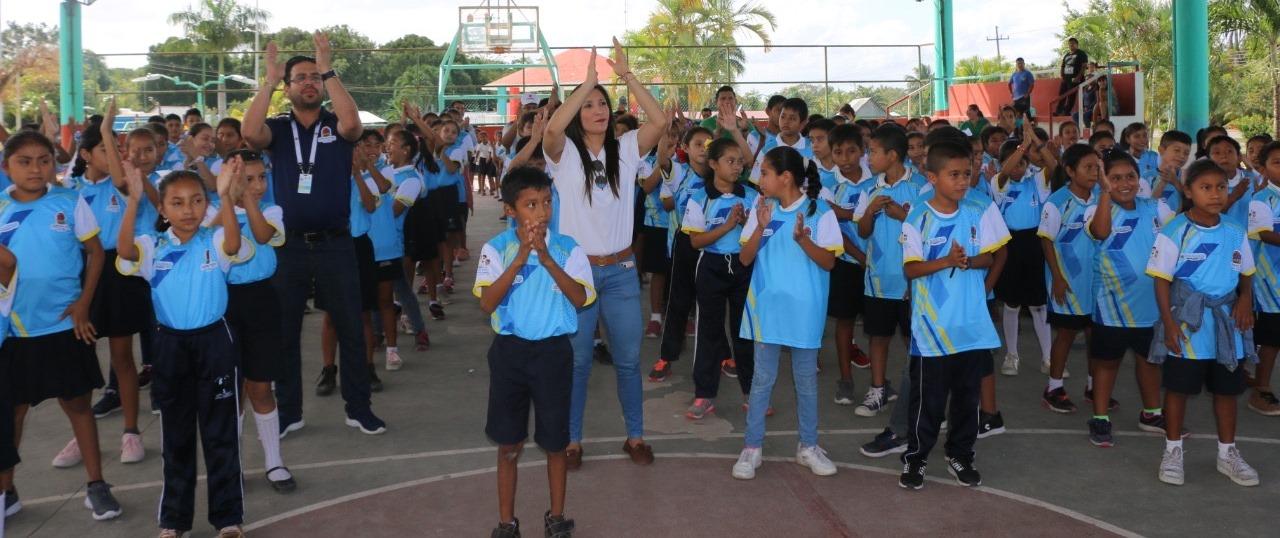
column 314, row 237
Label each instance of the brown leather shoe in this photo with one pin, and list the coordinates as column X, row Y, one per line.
column 573, row 458
column 641, row 454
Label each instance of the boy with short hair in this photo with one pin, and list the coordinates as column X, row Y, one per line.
column 791, row 117
column 531, row 280
column 1166, row 182
column 844, row 301
column 947, row 242
column 916, row 151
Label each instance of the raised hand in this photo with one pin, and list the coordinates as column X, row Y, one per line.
column 109, row 119
column 324, row 53
column 232, row 171
column 132, row 180
column 764, row 212
column 540, row 121
column 591, row 70
column 737, row 216
column 801, row 231
column 49, row 122
column 727, row 122
column 957, row 257
column 411, row 111
column 275, row 68
column 619, row 62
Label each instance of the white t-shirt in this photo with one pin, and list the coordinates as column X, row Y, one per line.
column 602, row 226
column 484, row 151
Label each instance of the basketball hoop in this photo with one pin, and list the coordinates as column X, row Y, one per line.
column 499, row 49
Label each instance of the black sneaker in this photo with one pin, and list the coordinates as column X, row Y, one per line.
column 661, row 370
column 884, row 444
column 890, row 395
column 107, row 404
column 1056, row 400
column 368, row 423
column 1100, row 432
column 144, row 376
column 11, row 503
column 557, row 526
column 375, row 384
column 989, row 425
column 506, row 530
column 1112, row 405
column 328, row 380
column 602, row 355
column 912, row 476
column 101, row 502
column 437, row 311
column 963, row 471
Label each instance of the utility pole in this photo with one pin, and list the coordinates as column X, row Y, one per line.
column 998, row 38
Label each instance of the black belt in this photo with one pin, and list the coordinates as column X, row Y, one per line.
column 320, row 235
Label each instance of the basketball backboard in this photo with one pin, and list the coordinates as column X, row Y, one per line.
column 497, row 27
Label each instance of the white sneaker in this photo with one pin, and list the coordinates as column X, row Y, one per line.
column 1044, row 369
column 1171, row 467
column 1010, row 366
column 748, row 462
column 1236, row 469
column 405, row 326
column 393, row 360
column 69, row 456
column 815, row 458
column 131, row 450
column 872, row 404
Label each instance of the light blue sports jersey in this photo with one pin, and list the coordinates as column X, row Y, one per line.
column 1266, row 284
column 1125, row 295
column 1211, row 260
column 655, row 216
column 386, row 229
column 107, row 204
column 948, row 307
column 554, row 224
column 534, row 308
column 457, row 153
column 918, row 179
column 188, row 280
column 847, row 195
column 1063, row 224
column 707, row 210
column 1168, row 193
column 787, row 300
column 826, row 176
column 46, row 236
column 1238, row 213
column 173, row 158
column 1148, row 163
column 5, row 181
column 684, row 183
column 263, row 263
column 1019, row 202
column 884, row 277
column 361, row 220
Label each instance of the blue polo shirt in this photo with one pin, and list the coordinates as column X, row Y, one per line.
column 188, row 280
column 1022, row 83
column 534, row 308
column 328, row 206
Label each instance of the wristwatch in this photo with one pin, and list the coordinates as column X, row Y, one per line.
column 325, row 76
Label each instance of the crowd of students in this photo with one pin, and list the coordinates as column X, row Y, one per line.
column 927, row 232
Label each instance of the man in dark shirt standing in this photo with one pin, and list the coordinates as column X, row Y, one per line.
column 311, row 155
column 1072, row 72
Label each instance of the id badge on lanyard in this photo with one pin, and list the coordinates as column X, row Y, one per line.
column 305, row 165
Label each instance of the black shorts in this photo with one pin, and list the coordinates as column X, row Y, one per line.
column 1021, row 282
column 1188, row 376
column 368, row 273
column 845, row 295
column 253, row 312
column 443, row 206
column 1069, row 322
column 389, row 270
column 121, row 304
column 464, row 214
column 423, row 233
column 637, row 214
column 524, row 372
column 1266, row 331
column 882, row 317
column 1111, row 343
column 986, row 365
column 8, row 453
column 50, row 366
column 654, row 258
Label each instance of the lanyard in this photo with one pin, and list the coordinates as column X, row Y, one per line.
column 304, row 166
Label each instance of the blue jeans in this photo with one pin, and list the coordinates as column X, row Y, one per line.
column 804, row 368
column 618, row 303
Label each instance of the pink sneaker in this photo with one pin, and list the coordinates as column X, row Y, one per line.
column 69, row 457
column 131, row 450
column 654, row 329
column 393, row 360
column 448, row 284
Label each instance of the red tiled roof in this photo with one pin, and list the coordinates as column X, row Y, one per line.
column 572, row 65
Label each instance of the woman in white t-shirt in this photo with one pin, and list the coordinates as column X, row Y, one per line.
column 594, row 174
column 486, row 172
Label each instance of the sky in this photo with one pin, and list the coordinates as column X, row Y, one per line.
column 116, row 26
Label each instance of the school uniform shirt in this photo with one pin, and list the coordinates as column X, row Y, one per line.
column 884, row 278
column 386, row 229
column 1148, row 163
column 683, row 184
column 709, row 208
column 1238, row 213
column 458, row 154
column 1211, row 259
column 1062, row 222
column 847, row 195
column 107, row 204
column 173, row 158
column 603, row 225
column 361, row 220
column 188, row 280
column 263, row 264
column 1168, row 193
column 949, row 307
column 47, row 236
column 787, row 300
column 1264, row 216
column 826, row 176
column 534, row 307
column 769, row 141
column 801, row 145
column 1019, row 202
column 430, row 180
column 7, row 292
column 1125, row 295
column 656, row 216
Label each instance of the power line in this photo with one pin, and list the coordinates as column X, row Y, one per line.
column 998, row 38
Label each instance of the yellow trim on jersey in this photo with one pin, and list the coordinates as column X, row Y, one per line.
column 837, row 250
column 590, row 289
column 687, row 228
column 997, row 245
column 1189, row 351
column 137, row 266
column 17, row 324
column 278, row 238
column 235, row 258
column 89, row 235
column 909, row 259
column 751, row 315
column 927, row 305
column 408, row 202
column 478, row 288
column 1157, row 274
column 1252, row 270
column 1109, row 273
column 7, row 289
column 1042, row 235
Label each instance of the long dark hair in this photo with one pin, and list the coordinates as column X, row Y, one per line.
column 784, row 159
column 407, row 139
column 169, row 179
column 25, row 138
column 1070, row 159
column 89, row 139
column 575, row 133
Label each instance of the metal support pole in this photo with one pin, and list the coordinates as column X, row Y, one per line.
column 943, row 53
column 70, row 69
column 1191, row 64
column 826, row 81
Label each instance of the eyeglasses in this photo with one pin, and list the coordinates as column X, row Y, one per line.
column 302, row 79
column 598, row 175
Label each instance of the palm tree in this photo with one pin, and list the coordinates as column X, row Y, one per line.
column 219, row 26
column 922, row 75
column 1255, row 24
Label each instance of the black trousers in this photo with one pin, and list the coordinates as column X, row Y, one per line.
column 721, row 280
column 1065, row 106
column 196, row 384
column 935, row 381
column 680, row 296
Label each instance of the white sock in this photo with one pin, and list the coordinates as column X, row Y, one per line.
column 655, row 317
column 1088, row 384
column 1010, row 324
column 1054, row 384
column 1223, row 448
column 1170, row 445
column 269, row 434
column 240, row 425
column 598, row 341
column 392, row 349
column 1040, row 321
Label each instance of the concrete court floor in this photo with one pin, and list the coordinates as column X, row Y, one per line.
column 431, row 474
